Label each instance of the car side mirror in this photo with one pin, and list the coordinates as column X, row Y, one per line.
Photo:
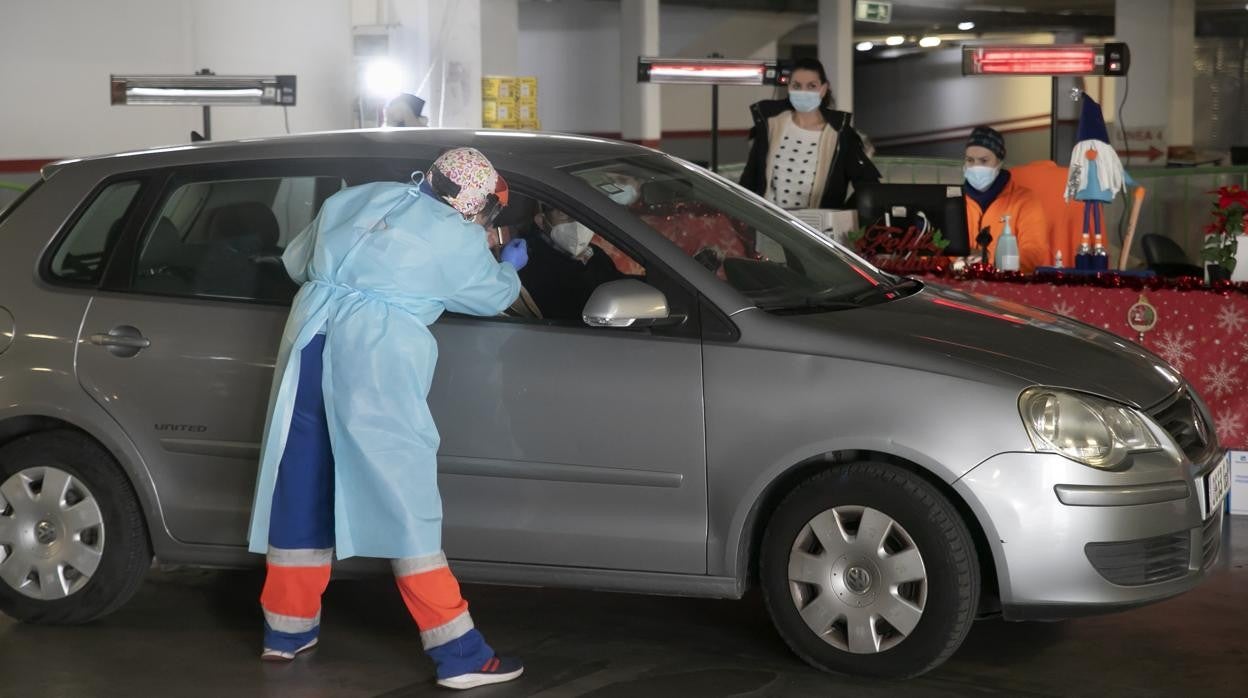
column 628, row 303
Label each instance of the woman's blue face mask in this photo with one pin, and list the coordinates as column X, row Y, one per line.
column 804, row 101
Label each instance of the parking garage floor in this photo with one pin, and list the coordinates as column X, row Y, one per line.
column 196, row 633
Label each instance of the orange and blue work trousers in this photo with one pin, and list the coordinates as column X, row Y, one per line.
column 301, row 548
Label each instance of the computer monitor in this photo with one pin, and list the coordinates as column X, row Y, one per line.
column 907, row 205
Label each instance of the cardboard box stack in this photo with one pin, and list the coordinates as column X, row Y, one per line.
column 509, row 102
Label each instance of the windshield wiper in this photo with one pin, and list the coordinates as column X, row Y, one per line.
column 810, row 305
column 902, row 283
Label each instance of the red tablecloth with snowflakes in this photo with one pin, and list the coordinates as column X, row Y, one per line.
column 1204, row 335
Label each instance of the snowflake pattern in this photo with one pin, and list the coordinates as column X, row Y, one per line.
column 1243, row 350
column 1064, row 309
column 1175, row 348
column 1231, row 318
column 1229, row 425
column 1221, row 379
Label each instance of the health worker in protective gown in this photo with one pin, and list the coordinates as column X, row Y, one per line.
column 349, row 461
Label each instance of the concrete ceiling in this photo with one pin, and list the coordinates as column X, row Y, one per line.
column 1088, row 17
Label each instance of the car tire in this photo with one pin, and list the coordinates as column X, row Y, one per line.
column 118, row 545
column 827, row 602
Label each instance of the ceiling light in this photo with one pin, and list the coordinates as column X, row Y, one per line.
column 895, row 40
column 865, row 46
column 929, row 41
column 966, row 26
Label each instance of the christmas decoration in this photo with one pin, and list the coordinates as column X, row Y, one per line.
column 1222, row 235
column 1101, row 279
column 1142, row 317
column 1202, row 331
column 1096, row 177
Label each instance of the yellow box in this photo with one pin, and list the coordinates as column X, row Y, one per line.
column 526, row 111
column 498, row 87
column 526, row 88
column 533, row 125
column 501, row 111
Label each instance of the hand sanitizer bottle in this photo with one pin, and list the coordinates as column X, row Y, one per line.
column 1007, row 249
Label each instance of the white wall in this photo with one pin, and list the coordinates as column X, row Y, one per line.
column 573, row 48
column 924, row 106
column 56, row 103
column 927, row 94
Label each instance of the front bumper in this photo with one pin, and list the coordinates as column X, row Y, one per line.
column 1069, row 540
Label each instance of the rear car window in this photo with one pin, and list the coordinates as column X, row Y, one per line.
column 224, row 238
column 80, row 257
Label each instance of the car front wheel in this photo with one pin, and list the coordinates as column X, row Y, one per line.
column 868, row 569
column 73, row 544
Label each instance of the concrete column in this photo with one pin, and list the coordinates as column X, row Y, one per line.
column 500, row 29
column 640, row 112
column 836, row 49
column 1182, row 72
column 438, row 46
column 1146, row 28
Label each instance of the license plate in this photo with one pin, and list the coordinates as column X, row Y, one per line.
column 1217, row 484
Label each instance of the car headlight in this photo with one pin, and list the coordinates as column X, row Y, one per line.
column 1086, row 429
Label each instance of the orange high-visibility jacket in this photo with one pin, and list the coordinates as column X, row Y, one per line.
column 1027, row 222
column 1047, row 180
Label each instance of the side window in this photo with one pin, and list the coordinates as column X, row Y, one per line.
column 568, row 259
column 80, row 257
column 224, row 238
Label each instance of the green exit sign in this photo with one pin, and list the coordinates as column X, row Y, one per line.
column 880, row 12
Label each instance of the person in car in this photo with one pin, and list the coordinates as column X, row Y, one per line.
column 565, row 266
column 349, row 461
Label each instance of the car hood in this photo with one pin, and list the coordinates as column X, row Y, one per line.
column 939, row 326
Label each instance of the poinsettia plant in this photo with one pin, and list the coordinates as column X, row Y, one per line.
column 1230, row 216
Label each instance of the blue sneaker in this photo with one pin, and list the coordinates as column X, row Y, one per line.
column 495, row 670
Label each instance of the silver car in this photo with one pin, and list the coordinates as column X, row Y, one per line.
column 748, row 404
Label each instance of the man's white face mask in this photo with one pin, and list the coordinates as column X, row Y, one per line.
column 572, row 237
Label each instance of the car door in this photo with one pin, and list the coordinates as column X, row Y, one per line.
column 568, row 445
column 180, row 343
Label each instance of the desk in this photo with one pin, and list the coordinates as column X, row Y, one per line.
column 1202, row 334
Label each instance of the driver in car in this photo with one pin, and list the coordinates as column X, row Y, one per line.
column 564, row 265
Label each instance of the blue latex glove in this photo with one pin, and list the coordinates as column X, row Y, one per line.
column 516, row 253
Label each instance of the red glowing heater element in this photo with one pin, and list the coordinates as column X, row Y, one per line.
column 990, row 61
column 1074, row 59
column 700, row 74
column 710, row 71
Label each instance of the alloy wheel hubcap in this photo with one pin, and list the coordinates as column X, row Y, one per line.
column 51, row 533
column 45, row 532
column 857, row 579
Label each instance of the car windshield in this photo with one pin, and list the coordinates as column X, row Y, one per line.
column 775, row 260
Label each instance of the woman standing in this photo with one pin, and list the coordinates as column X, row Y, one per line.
column 349, row 463
column 804, row 154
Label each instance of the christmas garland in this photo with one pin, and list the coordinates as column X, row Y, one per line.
column 1102, row 279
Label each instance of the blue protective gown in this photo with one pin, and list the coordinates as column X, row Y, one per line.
column 379, row 264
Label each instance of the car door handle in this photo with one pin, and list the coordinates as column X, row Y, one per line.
column 123, row 341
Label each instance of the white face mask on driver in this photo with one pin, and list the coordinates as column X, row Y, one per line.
column 572, row 237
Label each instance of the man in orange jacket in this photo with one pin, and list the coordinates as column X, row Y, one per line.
column 991, row 195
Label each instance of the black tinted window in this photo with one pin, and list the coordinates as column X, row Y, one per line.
column 224, row 238
column 80, row 257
